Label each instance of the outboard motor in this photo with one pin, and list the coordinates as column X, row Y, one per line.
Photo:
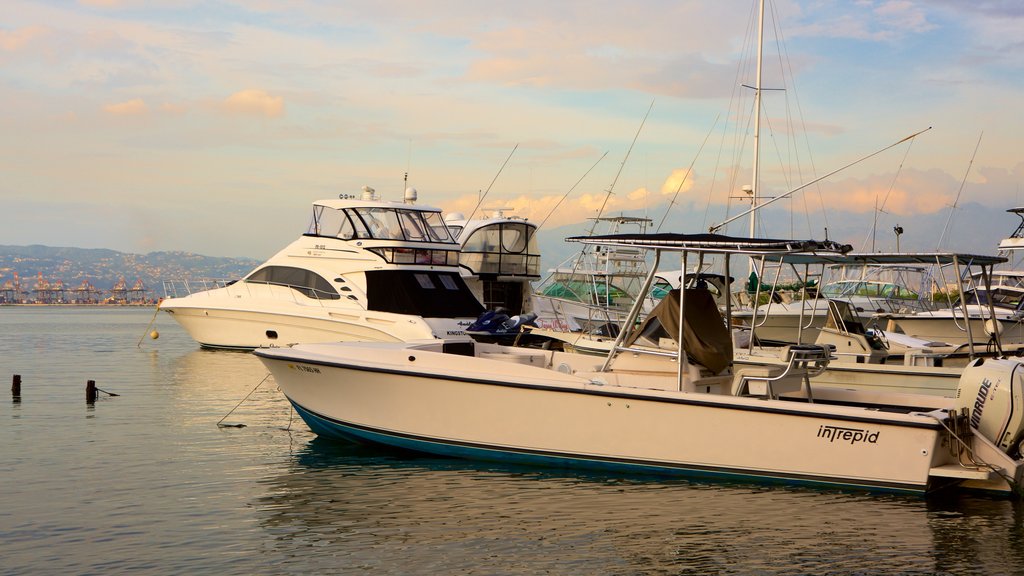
column 993, row 391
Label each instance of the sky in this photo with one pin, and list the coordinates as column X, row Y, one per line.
column 211, row 126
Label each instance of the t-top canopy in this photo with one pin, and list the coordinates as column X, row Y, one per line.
column 941, row 258
column 717, row 244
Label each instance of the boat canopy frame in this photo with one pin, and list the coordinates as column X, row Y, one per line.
column 780, row 251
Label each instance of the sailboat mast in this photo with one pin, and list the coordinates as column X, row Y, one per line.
column 757, row 132
column 757, row 122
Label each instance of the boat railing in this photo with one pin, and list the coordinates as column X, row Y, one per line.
column 186, row 287
column 182, row 288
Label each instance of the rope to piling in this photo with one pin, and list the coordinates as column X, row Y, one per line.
column 219, row 422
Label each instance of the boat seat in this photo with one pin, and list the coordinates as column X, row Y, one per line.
column 803, row 362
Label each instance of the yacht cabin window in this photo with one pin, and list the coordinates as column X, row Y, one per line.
column 378, row 223
column 507, row 248
column 307, row 282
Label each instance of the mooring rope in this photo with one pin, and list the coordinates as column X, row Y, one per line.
column 219, row 422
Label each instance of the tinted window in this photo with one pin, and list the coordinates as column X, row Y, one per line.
column 305, row 281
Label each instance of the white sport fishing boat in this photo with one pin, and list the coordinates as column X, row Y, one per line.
column 994, row 308
column 596, row 287
column 365, row 270
column 652, row 406
column 872, row 357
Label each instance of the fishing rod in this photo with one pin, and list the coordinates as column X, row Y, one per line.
column 717, row 227
column 958, row 192
column 566, row 195
column 621, row 167
column 687, row 175
column 484, row 195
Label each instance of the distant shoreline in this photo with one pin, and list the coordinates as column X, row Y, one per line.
column 77, row 305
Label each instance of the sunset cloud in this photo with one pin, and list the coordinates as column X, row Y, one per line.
column 913, row 192
column 675, row 182
column 17, row 40
column 135, row 107
column 256, row 103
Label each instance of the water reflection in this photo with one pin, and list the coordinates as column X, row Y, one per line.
column 397, row 513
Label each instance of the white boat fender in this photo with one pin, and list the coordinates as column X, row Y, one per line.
column 993, row 327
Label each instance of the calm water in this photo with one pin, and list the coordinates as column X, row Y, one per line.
column 147, row 483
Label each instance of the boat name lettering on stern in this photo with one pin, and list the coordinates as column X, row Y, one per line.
column 304, row 368
column 851, row 435
column 979, row 402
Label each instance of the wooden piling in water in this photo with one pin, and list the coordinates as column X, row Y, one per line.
column 90, row 392
column 16, row 387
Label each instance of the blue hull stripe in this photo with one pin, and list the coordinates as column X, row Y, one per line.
column 332, row 428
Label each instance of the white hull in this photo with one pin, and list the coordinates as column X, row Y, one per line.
column 885, row 378
column 871, row 378
column 249, row 329
column 561, row 314
column 941, row 327
column 509, row 410
column 783, row 324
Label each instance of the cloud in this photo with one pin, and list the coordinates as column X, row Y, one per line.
column 675, row 181
column 640, row 194
column 135, row 107
column 867, row 20
column 20, row 39
column 556, row 210
column 912, row 192
column 255, row 103
column 172, row 109
column 903, row 15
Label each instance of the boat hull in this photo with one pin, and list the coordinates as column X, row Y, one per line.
column 943, row 328
column 511, row 412
column 933, row 381
column 241, row 329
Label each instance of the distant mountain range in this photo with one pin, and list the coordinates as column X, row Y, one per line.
column 104, row 268
column 975, row 229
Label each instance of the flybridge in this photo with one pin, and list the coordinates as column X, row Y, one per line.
column 349, row 220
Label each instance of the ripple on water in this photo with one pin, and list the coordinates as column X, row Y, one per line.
column 147, row 483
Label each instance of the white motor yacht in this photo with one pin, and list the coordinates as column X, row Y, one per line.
column 665, row 400
column 364, row 270
column 499, row 258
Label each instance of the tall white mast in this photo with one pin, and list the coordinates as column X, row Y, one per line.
column 757, row 132
column 757, row 122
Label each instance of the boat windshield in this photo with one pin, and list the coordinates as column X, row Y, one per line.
column 378, row 223
column 505, row 248
column 1001, row 297
column 870, row 289
column 597, row 292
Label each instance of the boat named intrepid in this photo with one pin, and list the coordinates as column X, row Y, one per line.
column 666, row 399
